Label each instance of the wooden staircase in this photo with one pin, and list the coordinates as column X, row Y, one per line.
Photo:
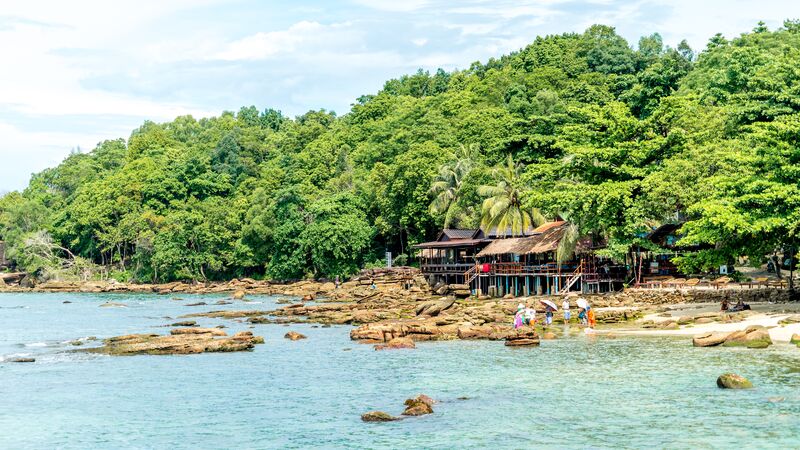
column 471, row 274
column 576, row 275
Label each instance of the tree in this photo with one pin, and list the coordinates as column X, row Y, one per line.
column 503, row 208
column 447, row 188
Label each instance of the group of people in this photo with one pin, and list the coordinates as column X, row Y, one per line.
column 526, row 315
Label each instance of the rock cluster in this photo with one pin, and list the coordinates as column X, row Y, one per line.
column 418, row 406
column 751, row 337
column 294, row 336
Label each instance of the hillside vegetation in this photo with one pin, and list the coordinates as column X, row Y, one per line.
column 586, row 127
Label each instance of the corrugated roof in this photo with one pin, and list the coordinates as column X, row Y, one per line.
column 453, row 233
column 448, row 244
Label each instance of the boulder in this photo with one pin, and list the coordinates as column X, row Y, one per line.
column 378, row 416
column 418, row 406
column 197, row 330
column 185, row 323
column 434, row 307
column 196, row 304
column 751, row 337
column 709, row 339
column 548, row 335
column 294, row 336
column 459, row 287
column 399, row 342
column 523, row 337
column 795, row 339
column 702, row 320
column 238, row 295
column 733, row 381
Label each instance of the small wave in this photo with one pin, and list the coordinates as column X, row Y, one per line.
column 15, row 307
column 36, row 344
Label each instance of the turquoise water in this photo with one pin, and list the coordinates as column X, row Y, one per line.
column 569, row 393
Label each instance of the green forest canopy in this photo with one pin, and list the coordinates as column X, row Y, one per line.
column 616, row 139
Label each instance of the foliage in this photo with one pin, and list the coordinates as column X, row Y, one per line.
column 582, row 126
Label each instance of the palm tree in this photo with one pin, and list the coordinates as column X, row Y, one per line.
column 447, row 186
column 568, row 242
column 503, row 208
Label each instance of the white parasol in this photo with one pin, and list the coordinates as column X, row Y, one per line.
column 582, row 303
column 550, row 304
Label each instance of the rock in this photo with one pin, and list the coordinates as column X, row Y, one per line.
column 197, row 304
column 112, row 305
column 198, row 330
column 308, row 297
column 709, row 339
column 523, row 337
column 259, row 319
column 238, row 295
column 378, row 416
column 66, row 301
column 776, row 399
column 396, row 343
column 703, row 320
column 185, row 323
column 795, row 339
column 684, row 320
column 294, row 336
column 751, row 337
column 180, row 344
column 418, row 406
column 549, row 335
column 795, row 318
column 733, row 381
column 19, row 359
column 222, row 302
column 434, row 307
column 76, row 342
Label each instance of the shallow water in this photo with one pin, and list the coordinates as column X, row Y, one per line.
column 573, row 392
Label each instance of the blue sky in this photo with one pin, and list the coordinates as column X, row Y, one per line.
column 75, row 73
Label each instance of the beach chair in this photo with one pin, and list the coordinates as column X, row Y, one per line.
column 721, row 282
column 760, row 281
column 692, row 282
column 676, row 283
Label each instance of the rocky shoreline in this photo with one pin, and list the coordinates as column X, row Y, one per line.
column 394, row 308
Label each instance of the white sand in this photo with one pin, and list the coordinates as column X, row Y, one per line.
column 767, row 315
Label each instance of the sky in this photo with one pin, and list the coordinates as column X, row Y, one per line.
column 74, row 73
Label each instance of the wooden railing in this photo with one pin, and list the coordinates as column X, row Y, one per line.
column 471, row 274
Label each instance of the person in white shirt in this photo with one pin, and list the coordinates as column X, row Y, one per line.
column 565, row 307
column 530, row 315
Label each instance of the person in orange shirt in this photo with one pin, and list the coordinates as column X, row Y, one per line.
column 590, row 317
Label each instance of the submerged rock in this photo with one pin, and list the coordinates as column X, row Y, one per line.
column 238, row 295
column 733, row 381
column 401, row 342
column 378, row 416
column 20, row 359
column 113, row 305
column 196, row 304
column 294, row 336
column 419, row 406
column 185, row 323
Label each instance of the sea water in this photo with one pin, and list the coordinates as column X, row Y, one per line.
column 573, row 392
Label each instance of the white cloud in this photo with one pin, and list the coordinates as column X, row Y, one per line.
column 419, row 42
column 268, row 44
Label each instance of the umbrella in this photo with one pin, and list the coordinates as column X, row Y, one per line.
column 550, row 304
column 582, row 303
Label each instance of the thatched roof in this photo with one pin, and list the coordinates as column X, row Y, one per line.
column 545, row 239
